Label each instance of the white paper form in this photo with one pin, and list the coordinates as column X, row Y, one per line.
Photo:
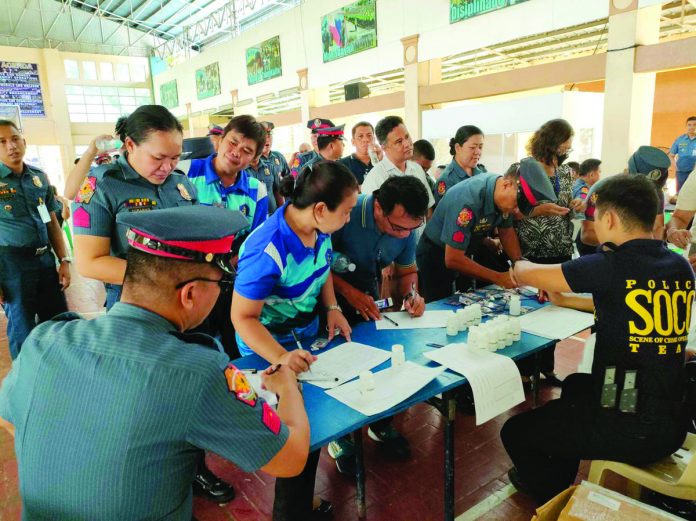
column 345, row 362
column 255, row 381
column 495, row 379
column 555, row 322
column 392, row 386
column 430, row 319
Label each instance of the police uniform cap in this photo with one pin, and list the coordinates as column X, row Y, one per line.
column 325, row 128
column 215, row 130
column 649, row 161
column 535, row 185
column 268, row 125
column 194, row 233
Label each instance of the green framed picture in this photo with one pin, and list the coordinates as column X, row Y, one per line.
column 349, row 30
column 465, row 9
column 263, row 61
column 169, row 95
column 208, row 81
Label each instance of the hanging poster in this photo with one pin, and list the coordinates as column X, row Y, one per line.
column 348, row 30
column 464, row 9
column 208, row 81
column 20, row 85
column 263, row 61
column 169, row 95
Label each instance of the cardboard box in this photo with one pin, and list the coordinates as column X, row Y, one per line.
column 590, row 502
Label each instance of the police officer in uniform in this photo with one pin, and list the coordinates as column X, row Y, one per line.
column 275, row 158
column 329, row 145
column 466, row 214
column 29, row 284
column 465, row 148
column 631, row 407
column 137, row 396
column 142, row 179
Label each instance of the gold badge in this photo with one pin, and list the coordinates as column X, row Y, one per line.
column 37, row 181
column 654, row 175
column 276, row 161
column 266, row 171
column 8, row 207
column 317, row 122
column 209, row 257
column 184, row 193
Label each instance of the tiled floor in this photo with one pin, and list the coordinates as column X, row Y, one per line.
column 395, row 490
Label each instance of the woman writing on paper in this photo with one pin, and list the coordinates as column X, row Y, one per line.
column 283, row 273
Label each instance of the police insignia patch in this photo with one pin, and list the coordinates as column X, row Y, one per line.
column 37, row 181
column 441, row 188
column 593, row 199
column 464, row 217
column 239, row 385
column 271, row 419
column 182, row 190
column 317, row 122
column 276, row 161
column 8, row 207
column 458, row 236
column 654, row 175
column 81, row 218
column 266, row 171
column 86, row 190
column 244, row 209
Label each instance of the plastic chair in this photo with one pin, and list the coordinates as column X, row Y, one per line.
column 673, row 476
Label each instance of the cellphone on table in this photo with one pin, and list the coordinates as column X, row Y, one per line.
column 319, row 343
column 381, row 304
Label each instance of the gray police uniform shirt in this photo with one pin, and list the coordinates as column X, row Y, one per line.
column 268, row 175
column 109, row 413
column 116, row 188
column 369, row 249
column 278, row 163
column 452, row 175
column 21, row 225
column 466, row 212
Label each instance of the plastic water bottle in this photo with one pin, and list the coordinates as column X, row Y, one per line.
column 373, row 154
column 341, row 263
column 108, row 145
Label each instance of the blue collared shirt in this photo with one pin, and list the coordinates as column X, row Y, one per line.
column 357, row 167
column 269, row 176
column 685, row 150
column 451, row 176
column 20, row 197
column 370, row 249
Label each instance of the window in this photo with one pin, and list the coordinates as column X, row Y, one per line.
column 72, row 71
column 106, row 71
column 89, row 70
column 122, row 73
column 96, row 104
column 138, row 73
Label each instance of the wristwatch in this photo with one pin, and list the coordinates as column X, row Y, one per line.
column 334, row 307
column 66, row 259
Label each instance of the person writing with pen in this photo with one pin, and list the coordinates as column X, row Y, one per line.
column 283, row 276
column 381, row 230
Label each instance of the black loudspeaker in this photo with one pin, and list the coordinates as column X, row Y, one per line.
column 356, row 90
column 197, row 148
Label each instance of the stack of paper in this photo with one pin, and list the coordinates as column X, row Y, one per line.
column 555, row 322
column 430, row 319
column 495, row 379
column 343, row 363
column 392, row 386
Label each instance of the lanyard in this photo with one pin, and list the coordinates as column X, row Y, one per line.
column 557, row 183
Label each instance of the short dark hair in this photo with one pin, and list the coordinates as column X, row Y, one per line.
column 408, row 191
column 120, row 128
column 632, row 197
column 152, row 272
column 385, row 126
column 147, row 119
column 77, row 160
column 574, row 165
column 9, row 123
column 588, row 166
column 325, row 141
column 462, row 136
column 361, row 124
column 423, row 148
column 690, row 118
column 248, row 127
column 325, row 182
column 544, row 143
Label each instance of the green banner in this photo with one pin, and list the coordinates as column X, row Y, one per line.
column 169, row 95
column 208, row 81
column 263, row 61
column 348, row 30
column 464, row 9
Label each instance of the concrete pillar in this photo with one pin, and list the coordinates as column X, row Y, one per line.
column 305, row 94
column 59, row 106
column 416, row 75
column 628, row 98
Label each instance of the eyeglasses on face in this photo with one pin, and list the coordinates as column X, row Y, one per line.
column 224, row 283
column 398, row 228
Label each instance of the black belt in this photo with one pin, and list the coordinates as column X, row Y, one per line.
column 28, row 251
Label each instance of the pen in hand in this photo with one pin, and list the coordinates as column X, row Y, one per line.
column 299, row 346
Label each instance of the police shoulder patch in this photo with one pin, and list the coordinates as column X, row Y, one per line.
column 238, row 384
column 270, row 419
column 441, row 188
column 458, row 237
column 89, row 186
column 464, row 217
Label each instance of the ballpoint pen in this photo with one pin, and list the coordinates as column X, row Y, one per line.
column 299, row 346
column 390, row 320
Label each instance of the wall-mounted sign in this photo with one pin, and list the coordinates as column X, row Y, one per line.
column 20, row 85
column 263, row 61
column 463, row 9
column 348, row 30
column 208, row 81
column 169, row 95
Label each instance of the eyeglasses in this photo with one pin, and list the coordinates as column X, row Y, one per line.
column 224, row 283
column 398, row 228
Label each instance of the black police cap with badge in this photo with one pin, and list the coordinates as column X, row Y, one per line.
column 189, row 233
column 535, row 187
column 650, row 162
column 325, row 128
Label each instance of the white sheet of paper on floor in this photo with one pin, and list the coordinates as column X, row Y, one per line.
column 555, row 322
column 430, row 319
column 392, row 386
column 255, row 381
column 345, row 362
column 495, row 379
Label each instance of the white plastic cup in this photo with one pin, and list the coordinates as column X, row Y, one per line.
column 477, row 312
column 462, row 320
column 367, row 382
column 473, row 340
column 517, row 328
column 452, row 325
column 515, row 305
column 398, row 357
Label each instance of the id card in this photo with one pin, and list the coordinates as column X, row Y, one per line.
column 43, row 213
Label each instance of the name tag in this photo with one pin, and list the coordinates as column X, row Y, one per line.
column 43, row 213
